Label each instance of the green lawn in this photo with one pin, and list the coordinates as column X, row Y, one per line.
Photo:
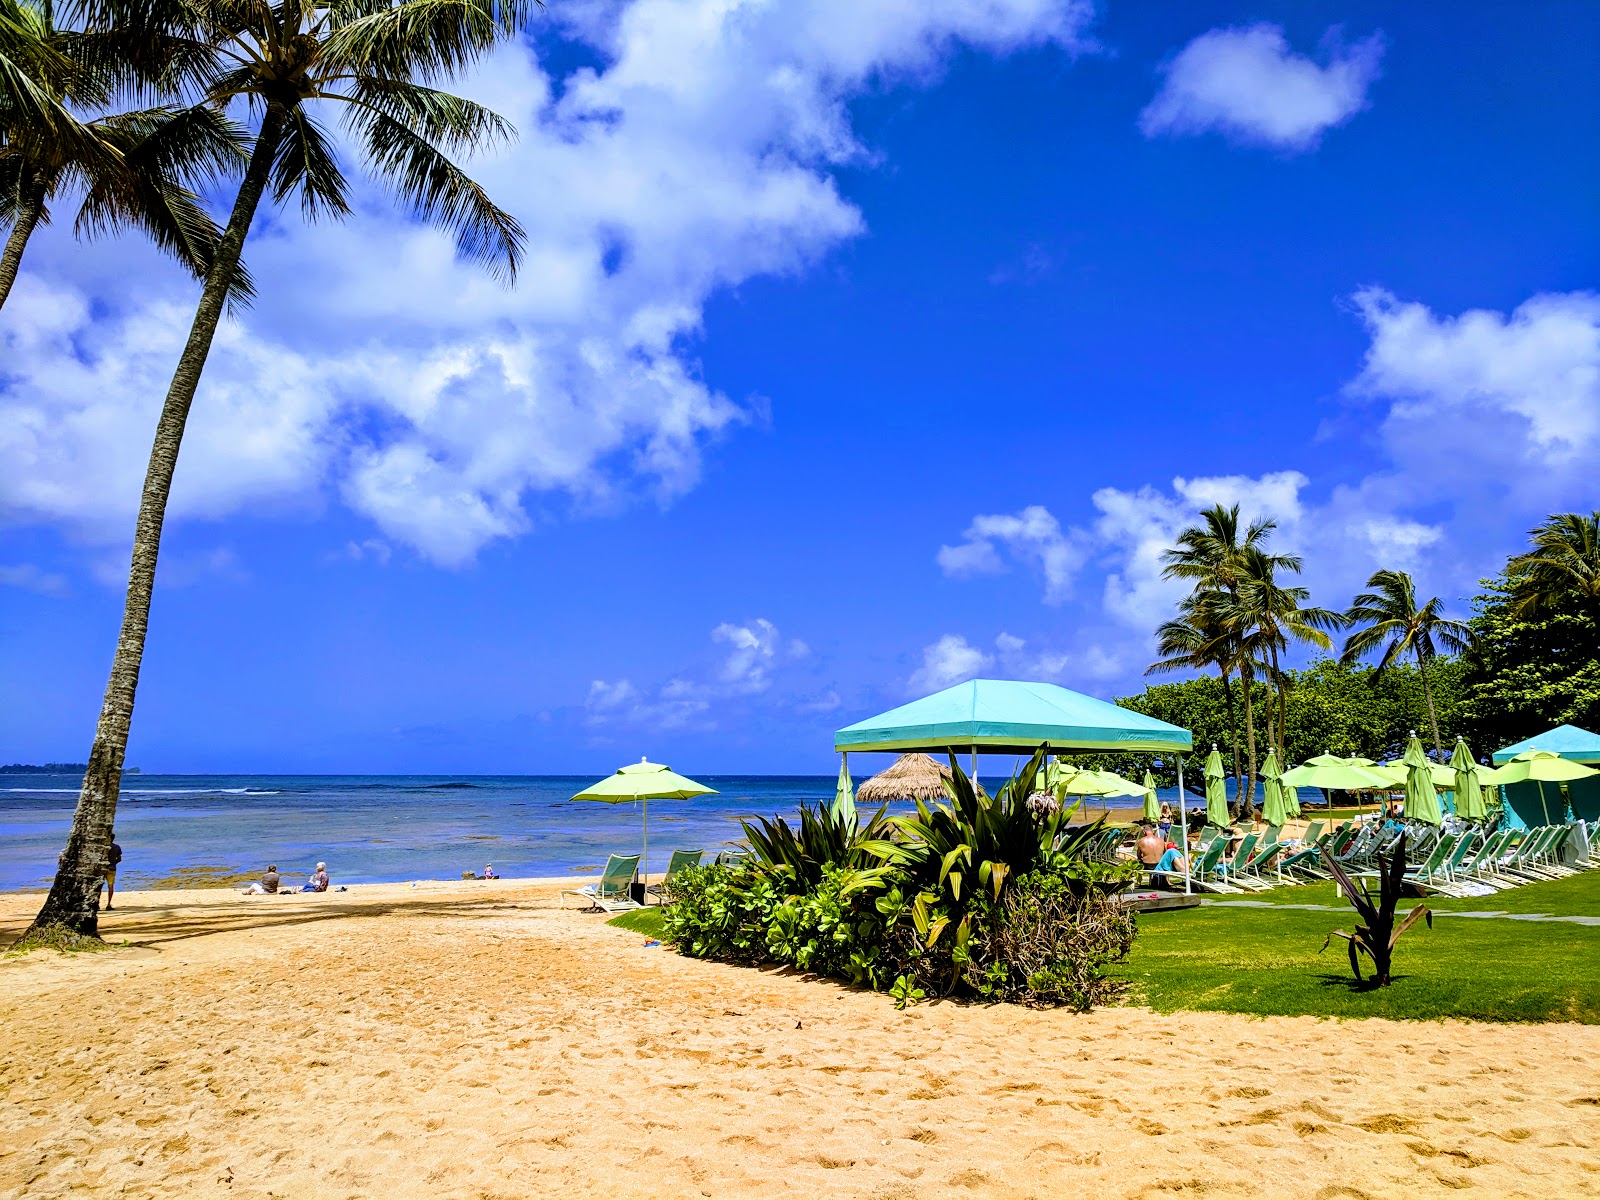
column 647, row 921
column 1266, row 961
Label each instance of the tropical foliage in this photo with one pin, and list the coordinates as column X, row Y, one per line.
column 1377, row 934
column 980, row 896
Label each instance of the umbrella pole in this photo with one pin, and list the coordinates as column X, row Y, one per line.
column 644, row 859
column 1183, row 824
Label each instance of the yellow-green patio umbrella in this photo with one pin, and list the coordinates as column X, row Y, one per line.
column 1542, row 767
column 644, row 781
column 1273, row 809
column 1291, row 799
column 1336, row 776
column 1152, row 806
column 1216, row 791
column 844, row 795
column 1331, row 759
column 1468, row 789
column 1422, row 799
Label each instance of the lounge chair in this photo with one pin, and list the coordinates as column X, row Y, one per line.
column 681, row 860
column 614, row 892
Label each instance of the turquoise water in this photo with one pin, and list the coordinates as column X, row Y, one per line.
column 376, row 828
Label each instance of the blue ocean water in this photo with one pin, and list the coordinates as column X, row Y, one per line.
column 382, row 828
column 376, row 828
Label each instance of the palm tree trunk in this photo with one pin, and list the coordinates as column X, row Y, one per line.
column 1233, row 728
column 1283, row 713
column 74, row 898
column 28, row 214
column 1248, row 796
column 1427, row 694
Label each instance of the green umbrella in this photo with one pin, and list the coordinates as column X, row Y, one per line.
column 1469, row 791
column 1331, row 759
column 1422, row 800
column 1152, row 806
column 1273, row 808
column 844, row 796
column 1216, row 791
column 1542, row 767
column 643, row 781
column 1343, row 776
column 1291, row 799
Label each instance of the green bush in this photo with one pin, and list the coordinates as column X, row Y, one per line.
column 986, row 898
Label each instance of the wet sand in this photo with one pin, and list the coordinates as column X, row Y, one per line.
column 474, row 1040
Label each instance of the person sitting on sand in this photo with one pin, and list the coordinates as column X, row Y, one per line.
column 1151, row 847
column 319, row 879
column 267, row 885
column 488, row 872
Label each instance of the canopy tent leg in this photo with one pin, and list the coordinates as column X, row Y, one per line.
column 1183, row 837
column 975, row 784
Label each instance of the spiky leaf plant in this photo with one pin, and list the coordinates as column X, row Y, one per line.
column 1377, row 933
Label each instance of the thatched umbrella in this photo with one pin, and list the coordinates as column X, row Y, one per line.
column 912, row 777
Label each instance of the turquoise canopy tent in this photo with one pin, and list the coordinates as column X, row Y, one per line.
column 1009, row 716
column 1522, row 800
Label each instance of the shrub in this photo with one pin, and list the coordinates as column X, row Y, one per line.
column 989, row 898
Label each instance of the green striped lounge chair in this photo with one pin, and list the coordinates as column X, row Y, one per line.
column 614, row 891
column 681, row 860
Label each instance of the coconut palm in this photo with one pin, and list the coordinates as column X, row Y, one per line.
column 1212, row 555
column 1193, row 641
column 136, row 168
column 1393, row 620
column 290, row 66
column 1564, row 563
column 1277, row 616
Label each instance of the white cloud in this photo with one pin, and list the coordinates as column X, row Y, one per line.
column 1031, row 536
column 949, row 661
column 33, row 579
column 756, row 651
column 755, row 648
column 376, row 369
column 1247, row 83
column 1540, row 365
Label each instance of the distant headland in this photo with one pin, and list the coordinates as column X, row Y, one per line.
column 53, row 769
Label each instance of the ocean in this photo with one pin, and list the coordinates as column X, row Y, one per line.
column 378, row 828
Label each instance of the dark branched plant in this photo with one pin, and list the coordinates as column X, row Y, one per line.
column 1377, row 933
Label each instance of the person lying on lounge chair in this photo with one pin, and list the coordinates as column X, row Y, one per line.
column 1172, row 862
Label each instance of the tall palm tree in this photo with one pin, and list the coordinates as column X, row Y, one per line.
column 368, row 63
column 137, row 168
column 1192, row 641
column 1211, row 555
column 1564, row 563
column 1277, row 616
column 1393, row 620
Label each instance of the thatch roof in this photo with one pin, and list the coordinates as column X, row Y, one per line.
column 912, row 777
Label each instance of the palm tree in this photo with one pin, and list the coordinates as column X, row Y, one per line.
column 1193, row 642
column 1390, row 615
column 134, row 169
column 1564, row 563
column 1277, row 616
column 1212, row 555
column 366, row 62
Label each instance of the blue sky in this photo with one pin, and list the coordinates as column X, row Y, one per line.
column 881, row 350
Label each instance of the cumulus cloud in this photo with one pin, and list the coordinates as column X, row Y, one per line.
column 949, row 661
column 1247, row 83
column 1032, row 536
column 756, row 650
column 697, row 152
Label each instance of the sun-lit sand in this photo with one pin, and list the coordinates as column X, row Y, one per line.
column 473, row 1040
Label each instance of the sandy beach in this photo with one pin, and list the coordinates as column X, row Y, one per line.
column 475, row 1040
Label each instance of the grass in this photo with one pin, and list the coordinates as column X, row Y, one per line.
column 648, row 921
column 1266, row 961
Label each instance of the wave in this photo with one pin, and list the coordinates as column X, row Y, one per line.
column 442, row 787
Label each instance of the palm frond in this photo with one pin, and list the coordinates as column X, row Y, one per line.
column 306, row 164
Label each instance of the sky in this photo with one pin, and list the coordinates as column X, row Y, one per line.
column 860, row 348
